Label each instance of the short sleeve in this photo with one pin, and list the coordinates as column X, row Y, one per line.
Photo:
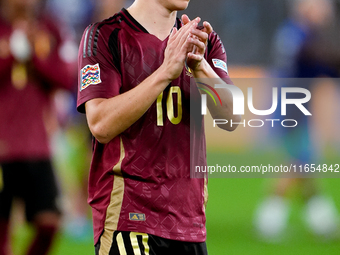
column 217, row 58
column 98, row 76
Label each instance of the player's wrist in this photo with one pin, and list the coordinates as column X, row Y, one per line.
column 163, row 76
column 202, row 70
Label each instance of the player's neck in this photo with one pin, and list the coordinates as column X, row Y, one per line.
column 159, row 23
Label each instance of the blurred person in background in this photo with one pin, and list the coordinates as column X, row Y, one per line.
column 73, row 140
column 295, row 52
column 302, row 50
column 33, row 64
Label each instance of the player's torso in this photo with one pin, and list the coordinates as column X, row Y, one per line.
column 157, row 195
column 158, row 144
column 158, row 190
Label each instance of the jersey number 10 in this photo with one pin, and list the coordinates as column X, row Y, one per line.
column 170, row 108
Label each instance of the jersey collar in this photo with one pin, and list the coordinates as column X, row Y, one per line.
column 134, row 24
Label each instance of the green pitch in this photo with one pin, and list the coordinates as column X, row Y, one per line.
column 230, row 222
column 230, row 211
column 231, row 207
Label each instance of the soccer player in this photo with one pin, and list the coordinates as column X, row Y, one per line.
column 31, row 68
column 134, row 86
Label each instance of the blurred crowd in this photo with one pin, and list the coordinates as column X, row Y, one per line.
column 38, row 65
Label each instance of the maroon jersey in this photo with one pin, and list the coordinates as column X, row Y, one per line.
column 25, row 92
column 140, row 181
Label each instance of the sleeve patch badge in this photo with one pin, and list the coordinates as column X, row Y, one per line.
column 90, row 75
column 220, row 64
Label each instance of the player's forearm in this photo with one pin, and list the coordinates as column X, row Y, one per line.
column 107, row 118
column 224, row 111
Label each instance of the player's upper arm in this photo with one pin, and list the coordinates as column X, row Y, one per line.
column 217, row 57
column 93, row 116
column 98, row 73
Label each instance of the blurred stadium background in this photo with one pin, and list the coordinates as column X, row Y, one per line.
column 247, row 29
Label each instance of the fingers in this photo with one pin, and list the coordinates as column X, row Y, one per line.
column 207, row 27
column 178, row 43
column 185, row 19
column 196, row 57
column 188, row 41
column 172, row 34
column 200, row 46
column 201, row 35
column 202, row 32
column 184, row 32
column 187, row 45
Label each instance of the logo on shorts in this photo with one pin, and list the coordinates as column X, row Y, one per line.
column 137, row 216
column 90, row 75
column 220, row 64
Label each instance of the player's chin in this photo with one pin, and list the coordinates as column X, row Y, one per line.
column 180, row 5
